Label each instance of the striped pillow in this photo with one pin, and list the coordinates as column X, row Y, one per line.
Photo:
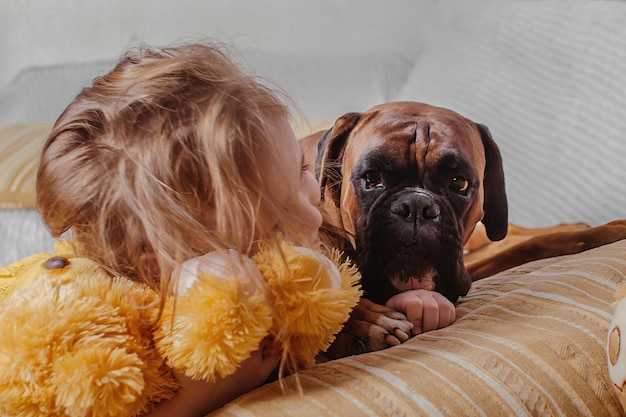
column 20, row 145
column 305, row 126
column 528, row 341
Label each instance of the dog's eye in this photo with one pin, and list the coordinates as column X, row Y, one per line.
column 373, row 179
column 459, row 184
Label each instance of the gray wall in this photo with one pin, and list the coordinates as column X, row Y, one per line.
column 36, row 32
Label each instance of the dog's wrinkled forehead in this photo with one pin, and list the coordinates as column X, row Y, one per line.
column 417, row 131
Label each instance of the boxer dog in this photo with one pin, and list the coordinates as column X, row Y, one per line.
column 409, row 183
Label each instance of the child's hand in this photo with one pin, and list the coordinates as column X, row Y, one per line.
column 427, row 310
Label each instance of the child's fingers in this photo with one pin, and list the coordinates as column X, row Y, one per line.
column 430, row 319
column 430, row 310
column 427, row 310
column 416, row 316
column 447, row 311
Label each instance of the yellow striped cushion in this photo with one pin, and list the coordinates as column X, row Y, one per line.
column 20, row 145
column 529, row 341
column 305, row 126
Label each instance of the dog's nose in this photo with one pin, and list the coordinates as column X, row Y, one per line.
column 415, row 207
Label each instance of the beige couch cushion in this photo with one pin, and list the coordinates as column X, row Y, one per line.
column 530, row 341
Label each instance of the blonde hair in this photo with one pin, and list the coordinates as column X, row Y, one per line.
column 161, row 160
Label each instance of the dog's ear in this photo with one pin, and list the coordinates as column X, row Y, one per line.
column 330, row 149
column 495, row 204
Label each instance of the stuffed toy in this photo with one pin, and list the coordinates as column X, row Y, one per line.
column 77, row 341
column 616, row 345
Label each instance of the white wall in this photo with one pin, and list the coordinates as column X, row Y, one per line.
column 39, row 32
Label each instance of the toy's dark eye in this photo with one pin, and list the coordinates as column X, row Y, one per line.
column 459, row 185
column 373, row 179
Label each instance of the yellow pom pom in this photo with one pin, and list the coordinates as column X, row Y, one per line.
column 117, row 374
column 312, row 298
column 213, row 326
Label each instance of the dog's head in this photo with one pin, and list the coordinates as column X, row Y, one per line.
column 409, row 182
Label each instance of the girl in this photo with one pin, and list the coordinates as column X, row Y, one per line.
column 173, row 154
column 176, row 153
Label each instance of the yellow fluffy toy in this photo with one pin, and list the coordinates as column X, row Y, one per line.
column 78, row 342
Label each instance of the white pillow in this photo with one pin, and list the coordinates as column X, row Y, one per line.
column 327, row 86
column 321, row 85
column 39, row 94
column 549, row 80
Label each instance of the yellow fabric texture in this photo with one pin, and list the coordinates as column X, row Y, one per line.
column 528, row 341
column 78, row 342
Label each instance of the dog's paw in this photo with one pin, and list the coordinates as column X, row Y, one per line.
column 601, row 235
column 370, row 327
